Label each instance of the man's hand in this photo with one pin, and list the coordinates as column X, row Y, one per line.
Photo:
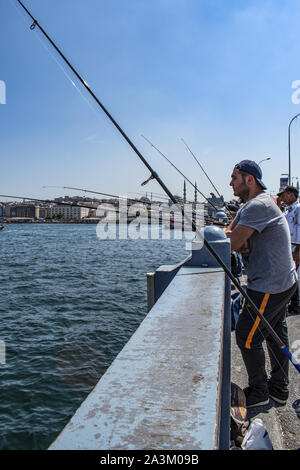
column 239, row 236
column 230, row 227
column 296, row 255
column 244, row 248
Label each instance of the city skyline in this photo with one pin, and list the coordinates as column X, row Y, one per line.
column 214, row 73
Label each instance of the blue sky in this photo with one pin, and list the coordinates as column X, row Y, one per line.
column 217, row 73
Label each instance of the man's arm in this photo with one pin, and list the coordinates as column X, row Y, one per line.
column 230, row 226
column 239, row 236
column 296, row 255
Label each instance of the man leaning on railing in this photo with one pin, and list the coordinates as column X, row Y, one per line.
column 260, row 232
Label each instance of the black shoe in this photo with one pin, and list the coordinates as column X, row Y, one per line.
column 293, row 309
column 255, row 397
column 278, row 395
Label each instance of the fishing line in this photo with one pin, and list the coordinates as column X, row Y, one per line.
column 48, row 201
column 195, row 158
column 138, row 201
column 154, row 175
column 93, row 192
column 154, row 218
column 180, row 172
column 189, row 150
column 62, row 68
column 105, row 194
column 67, row 75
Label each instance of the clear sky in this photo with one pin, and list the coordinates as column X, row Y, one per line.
column 217, row 73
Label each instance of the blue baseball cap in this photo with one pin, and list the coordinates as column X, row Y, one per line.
column 251, row 167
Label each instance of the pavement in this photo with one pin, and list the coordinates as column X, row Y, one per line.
column 281, row 422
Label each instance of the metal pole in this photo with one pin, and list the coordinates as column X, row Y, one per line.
column 295, row 178
column 289, row 146
column 269, row 158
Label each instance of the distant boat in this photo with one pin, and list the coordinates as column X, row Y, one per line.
column 1, row 226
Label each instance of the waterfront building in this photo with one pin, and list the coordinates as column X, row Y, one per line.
column 43, row 212
column 68, row 212
column 6, row 209
column 23, row 211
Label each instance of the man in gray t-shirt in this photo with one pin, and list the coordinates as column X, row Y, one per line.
column 260, row 232
column 269, row 263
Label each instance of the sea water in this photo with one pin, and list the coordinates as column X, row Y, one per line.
column 69, row 302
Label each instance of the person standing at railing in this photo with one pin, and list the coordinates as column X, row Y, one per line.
column 279, row 201
column 260, row 232
column 289, row 197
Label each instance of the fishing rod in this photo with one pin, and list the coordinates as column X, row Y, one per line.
column 195, row 158
column 48, row 201
column 154, row 175
column 60, row 203
column 117, row 197
column 105, row 194
column 202, row 168
column 180, row 172
column 154, row 217
column 94, row 192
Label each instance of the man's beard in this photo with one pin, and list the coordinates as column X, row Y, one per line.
column 243, row 193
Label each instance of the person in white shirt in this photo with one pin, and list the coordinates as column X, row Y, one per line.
column 289, row 197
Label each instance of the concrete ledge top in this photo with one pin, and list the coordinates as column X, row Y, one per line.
column 162, row 390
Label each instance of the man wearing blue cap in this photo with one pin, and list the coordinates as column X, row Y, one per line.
column 260, row 232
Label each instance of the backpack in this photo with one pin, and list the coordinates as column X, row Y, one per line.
column 236, row 264
column 236, row 306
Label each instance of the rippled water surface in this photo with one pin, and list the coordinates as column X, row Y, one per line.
column 68, row 304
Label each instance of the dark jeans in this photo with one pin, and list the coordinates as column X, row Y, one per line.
column 251, row 332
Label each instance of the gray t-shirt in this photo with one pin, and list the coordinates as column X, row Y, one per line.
column 269, row 264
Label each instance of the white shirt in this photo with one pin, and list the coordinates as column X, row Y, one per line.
column 293, row 219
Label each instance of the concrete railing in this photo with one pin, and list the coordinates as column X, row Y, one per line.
column 169, row 388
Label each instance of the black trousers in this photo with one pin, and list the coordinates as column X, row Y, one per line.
column 251, row 332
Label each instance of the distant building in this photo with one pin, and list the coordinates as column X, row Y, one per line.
column 43, row 212
column 68, row 212
column 6, row 209
column 24, row 211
